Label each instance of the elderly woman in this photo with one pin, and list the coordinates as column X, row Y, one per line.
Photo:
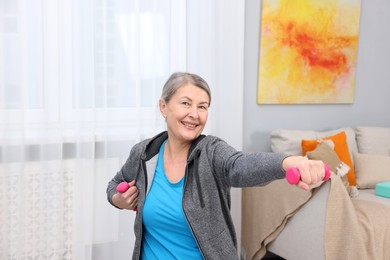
column 180, row 180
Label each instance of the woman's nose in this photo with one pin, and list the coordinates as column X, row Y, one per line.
column 194, row 112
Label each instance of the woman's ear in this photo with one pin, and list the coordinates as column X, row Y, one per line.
column 162, row 106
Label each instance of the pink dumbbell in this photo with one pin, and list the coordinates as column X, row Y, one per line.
column 293, row 176
column 123, row 187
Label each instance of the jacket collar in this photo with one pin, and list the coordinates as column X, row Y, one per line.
column 153, row 146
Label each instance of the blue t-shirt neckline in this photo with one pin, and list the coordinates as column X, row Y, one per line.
column 160, row 163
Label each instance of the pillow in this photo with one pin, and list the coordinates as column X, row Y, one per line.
column 371, row 169
column 373, row 140
column 341, row 149
column 289, row 141
column 325, row 153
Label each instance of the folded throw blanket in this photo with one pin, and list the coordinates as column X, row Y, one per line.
column 355, row 229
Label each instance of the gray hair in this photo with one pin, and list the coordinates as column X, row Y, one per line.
column 180, row 79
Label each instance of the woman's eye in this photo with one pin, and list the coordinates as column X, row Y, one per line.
column 186, row 103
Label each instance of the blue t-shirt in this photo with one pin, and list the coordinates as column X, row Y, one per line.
column 166, row 231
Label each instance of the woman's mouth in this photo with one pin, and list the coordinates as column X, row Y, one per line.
column 188, row 125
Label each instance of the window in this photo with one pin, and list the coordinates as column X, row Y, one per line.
column 63, row 63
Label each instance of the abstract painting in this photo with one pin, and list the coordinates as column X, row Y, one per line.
column 308, row 51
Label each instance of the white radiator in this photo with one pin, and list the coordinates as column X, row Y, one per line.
column 59, row 210
column 36, row 217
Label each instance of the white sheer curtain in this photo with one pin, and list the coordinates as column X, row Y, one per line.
column 79, row 84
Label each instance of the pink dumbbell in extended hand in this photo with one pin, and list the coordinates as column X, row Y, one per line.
column 123, row 187
column 293, row 176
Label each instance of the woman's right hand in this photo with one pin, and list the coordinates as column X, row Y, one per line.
column 311, row 171
column 128, row 199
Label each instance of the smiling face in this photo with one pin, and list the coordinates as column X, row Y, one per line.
column 186, row 112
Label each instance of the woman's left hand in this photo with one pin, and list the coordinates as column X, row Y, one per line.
column 311, row 171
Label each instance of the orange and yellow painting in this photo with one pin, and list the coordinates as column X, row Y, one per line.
column 308, row 51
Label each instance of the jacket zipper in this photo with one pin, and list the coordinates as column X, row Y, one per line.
column 146, row 186
column 185, row 214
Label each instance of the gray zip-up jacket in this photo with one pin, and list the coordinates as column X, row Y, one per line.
column 213, row 167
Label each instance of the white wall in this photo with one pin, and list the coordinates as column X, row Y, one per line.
column 372, row 90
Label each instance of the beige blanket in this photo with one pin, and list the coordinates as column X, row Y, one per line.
column 354, row 229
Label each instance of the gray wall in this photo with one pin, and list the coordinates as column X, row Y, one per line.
column 371, row 106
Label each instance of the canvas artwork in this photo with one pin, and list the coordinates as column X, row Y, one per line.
column 308, row 51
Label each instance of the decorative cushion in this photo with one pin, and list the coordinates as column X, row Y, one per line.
column 341, row 149
column 371, row 169
column 325, row 153
column 373, row 140
column 289, row 141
